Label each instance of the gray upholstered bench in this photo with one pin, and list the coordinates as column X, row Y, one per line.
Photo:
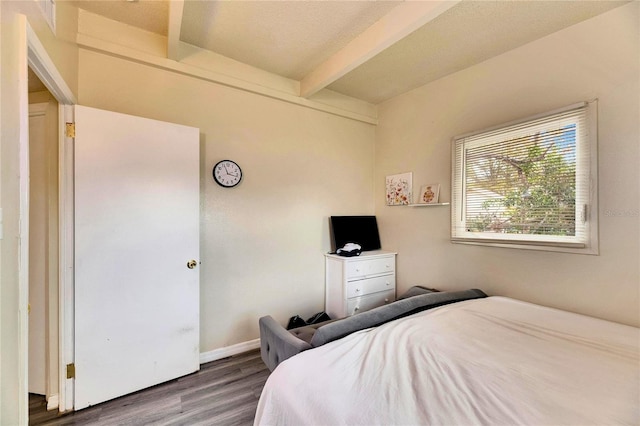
column 278, row 344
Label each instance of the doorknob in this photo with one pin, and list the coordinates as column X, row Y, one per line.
column 192, row 264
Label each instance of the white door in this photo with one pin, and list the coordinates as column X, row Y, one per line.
column 136, row 228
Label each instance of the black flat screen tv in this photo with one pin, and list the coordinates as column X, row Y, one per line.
column 362, row 230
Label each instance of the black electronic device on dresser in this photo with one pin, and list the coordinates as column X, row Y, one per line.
column 361, row 230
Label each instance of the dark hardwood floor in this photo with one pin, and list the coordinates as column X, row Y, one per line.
column 223, row 392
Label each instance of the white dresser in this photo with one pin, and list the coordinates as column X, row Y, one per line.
column 356, row 284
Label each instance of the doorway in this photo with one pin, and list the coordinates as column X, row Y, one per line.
column 43, row 365
column 31, row 52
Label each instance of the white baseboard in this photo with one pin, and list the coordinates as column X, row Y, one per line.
column 227, row 351
column 53, row 402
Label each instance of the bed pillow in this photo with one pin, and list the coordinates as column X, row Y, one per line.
column 390, row 312
column 416, row 291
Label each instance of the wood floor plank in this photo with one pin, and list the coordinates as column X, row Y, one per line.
column 242, row 384
column 143, row 413
column 214, row 412
column 223, row 392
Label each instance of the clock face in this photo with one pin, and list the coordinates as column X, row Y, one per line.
column 227, row 173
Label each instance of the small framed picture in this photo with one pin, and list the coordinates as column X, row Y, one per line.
column 399, row 189
column 429, row 193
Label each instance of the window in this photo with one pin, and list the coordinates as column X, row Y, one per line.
column 529, row 184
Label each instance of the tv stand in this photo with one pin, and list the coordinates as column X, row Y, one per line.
column 357, row 284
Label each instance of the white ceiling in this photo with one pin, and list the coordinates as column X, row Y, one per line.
column 314, row 40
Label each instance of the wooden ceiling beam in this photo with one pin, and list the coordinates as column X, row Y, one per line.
column 393, row 27
column 176, row 9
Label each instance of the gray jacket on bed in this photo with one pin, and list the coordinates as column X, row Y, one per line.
column 278, row 344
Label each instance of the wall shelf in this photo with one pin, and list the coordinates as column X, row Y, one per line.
column 428, row 205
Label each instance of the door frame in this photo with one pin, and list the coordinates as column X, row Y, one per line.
column 33, row 53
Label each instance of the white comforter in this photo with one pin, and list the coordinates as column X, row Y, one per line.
column 486, row 361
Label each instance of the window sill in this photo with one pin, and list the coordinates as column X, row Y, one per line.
column 593, row 251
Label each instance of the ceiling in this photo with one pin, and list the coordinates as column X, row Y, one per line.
column 370, row 50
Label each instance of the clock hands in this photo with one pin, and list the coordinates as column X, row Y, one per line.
column 229, row 174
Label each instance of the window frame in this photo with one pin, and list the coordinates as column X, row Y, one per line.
column 587, row 210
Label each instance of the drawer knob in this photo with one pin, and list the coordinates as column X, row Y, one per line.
column 388, row 283
column 357, row 308
column 386, row 300
column 357, row 289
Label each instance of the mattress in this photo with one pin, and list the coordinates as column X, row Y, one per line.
column 486, row 361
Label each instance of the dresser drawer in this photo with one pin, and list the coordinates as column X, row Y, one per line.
column 371, row 285
column 370, row 301
column 366, row 267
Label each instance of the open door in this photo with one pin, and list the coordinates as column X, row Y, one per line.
column 136, row 253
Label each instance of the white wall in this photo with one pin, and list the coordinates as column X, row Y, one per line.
column 598, row 58
column 262, row 242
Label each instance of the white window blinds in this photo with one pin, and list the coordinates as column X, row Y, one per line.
column 526, row 182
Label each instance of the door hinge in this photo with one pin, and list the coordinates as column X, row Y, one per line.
column 71, row 371
column 70, row 130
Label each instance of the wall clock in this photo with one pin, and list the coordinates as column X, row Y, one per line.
column 227, row 173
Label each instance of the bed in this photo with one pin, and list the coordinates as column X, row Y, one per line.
column 493, row 361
